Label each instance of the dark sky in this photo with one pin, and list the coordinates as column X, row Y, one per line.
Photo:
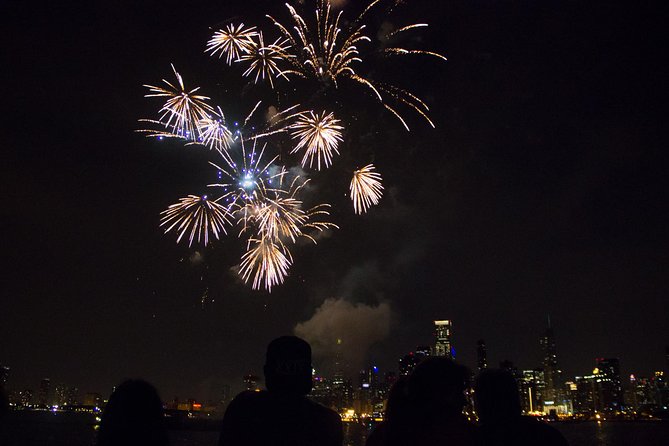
column 541, row 190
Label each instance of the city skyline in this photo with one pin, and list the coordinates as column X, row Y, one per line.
column 552, row 377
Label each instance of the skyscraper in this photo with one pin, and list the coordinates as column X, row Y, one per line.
column 481, row 355
column 44, row 397
column 550, row 364
column 442, row 333
column 609, row 384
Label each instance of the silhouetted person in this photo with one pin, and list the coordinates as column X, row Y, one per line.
column 133, row 416
column 499, row 411
column 429, row 409
column 282, row 415
column 436, row 390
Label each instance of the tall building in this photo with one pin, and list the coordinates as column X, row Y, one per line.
column 585, row 399
column 442, row 334
column 369, row 395
column 609, row 385
column 602, row 391
column 531, row 387
column 338, row 375
column 481, row 355
column 44, row 397
column 552, row 373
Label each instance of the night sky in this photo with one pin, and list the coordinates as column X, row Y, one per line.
column 541, row 191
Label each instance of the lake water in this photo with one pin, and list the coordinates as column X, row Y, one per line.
column 64, row 430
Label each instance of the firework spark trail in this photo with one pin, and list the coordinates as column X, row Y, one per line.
column 197, row 216
column 214, row 133
column 267, row 260
column 319, row 135
column 322, row 56
column 280, row 216
column 245, row 175
column 182, row 109
column 233, row 42
column 327, row 52
column 403, row 52
column 366, row 188
column 264, row 60
column 406, row 28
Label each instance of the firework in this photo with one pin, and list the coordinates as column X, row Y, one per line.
column 280, row 215
column 214, row 133
column 197, row 216
column 323, row 53
column 323, row 50
column 183, row 109
column 366, row 188
column 328, row 52
column 264, row 60
column 246, row 175
column 253, row 192
column 267, row 260
column 319, row 135
column 232, row 42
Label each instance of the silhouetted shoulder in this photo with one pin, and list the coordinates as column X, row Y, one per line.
column 133, row 417
column 264, row 418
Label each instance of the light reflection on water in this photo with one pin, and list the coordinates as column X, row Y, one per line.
column 70, row 433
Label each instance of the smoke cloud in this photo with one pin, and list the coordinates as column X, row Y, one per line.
column 357, row 325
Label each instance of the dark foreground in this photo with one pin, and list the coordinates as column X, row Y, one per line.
column 77, row 430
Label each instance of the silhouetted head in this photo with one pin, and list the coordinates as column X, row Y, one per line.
column 133, row 416
column 496, row 396
column 288, row 366
column 437, row 386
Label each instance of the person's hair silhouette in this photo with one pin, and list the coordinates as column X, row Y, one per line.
column 427, row 410
column 498, row 407
column 133, row 416
column 288, row 366
column 436, row 390
column 282, row 415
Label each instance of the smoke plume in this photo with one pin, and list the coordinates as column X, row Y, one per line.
column 357, row 325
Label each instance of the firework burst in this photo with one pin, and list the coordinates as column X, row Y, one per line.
column 318, row 135
column 366, row 188
column 281, row 214
column 214, row 133
column 323, row 53
column 183, row 109
column 246, row 174
column 327, row 51
column 264, row 60
column 233, row 42
column 267, row 261
column 196, row 216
